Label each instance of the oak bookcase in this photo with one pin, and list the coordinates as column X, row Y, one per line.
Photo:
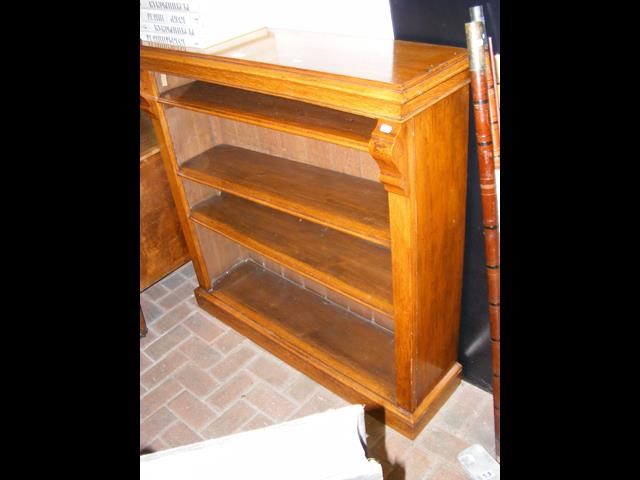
column 320, row 182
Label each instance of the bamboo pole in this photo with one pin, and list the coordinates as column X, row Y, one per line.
column 493, row 109
column 488, row 195
column 496, row 78
column 494, row 59
column 477, row 14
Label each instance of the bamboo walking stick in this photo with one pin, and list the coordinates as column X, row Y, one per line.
column 493, row 109
column 479, row 91
column 496, row 80
column 477, row 14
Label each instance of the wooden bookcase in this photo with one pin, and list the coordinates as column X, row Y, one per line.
column 320, row 183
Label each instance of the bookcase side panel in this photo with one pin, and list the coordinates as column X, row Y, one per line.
column 441, row 177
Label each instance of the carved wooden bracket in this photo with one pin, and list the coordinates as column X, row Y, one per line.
column 388, row 148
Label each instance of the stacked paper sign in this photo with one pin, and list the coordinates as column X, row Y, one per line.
column 195, row 23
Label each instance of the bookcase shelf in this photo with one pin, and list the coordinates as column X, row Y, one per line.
column 301, row 320
column 273, row 112
column 359, row 269
column 349, row 204
column 321, row 185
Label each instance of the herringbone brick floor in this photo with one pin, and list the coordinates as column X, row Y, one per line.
column 199, row 379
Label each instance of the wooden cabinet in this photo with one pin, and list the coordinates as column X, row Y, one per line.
column 321, row 185
column 162, row 244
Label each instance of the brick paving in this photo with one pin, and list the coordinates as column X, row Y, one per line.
column 199, row 379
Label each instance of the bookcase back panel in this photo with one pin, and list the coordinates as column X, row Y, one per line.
column 197, row 192
column 296, row 148
column 380, row 319
column 166, row 82
column 191, row 133
column 220, row 253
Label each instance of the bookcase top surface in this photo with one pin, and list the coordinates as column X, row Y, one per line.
column 380, row 60
column 283, row 61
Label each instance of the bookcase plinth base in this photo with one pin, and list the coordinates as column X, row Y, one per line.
column 410, row 424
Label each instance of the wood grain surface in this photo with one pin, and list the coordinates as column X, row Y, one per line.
column 162, row 244
column 358, row 269
column 312, row 324
column 374, row 78
column 349, row 204
column 330, row 208
column 273, row 112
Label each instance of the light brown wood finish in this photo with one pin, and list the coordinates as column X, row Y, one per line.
column 358, row 269
column 441, row 191
column 297, row 353
column 296, row 148
column 162, row 245
column 169, row 82
column 349, row 204
column 146, row 93
column 194, row 133
column 272, row 112
column 333, row 296
column 418, row 96
column 220, row 253
column 149, row 89
column 148, row 142
column 196, row 192
column 388, row 145
column 301, row 318
column 373, row 78
column 427, row 229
